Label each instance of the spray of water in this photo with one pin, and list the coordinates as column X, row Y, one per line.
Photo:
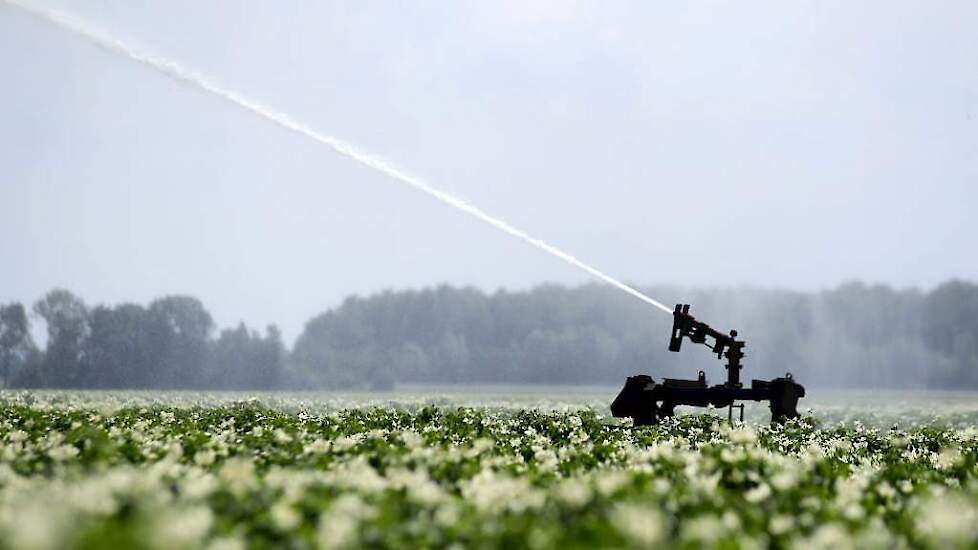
column 182, row 75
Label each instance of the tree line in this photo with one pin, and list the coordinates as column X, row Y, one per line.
column 168, row 344
column 856, row 335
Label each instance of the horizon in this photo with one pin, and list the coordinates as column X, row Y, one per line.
column 39, row 334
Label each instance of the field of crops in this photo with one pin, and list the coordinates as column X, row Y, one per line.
column 182, row 470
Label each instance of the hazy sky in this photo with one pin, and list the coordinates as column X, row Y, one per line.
column 786, row 144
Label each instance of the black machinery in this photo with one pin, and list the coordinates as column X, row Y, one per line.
column 648, row 402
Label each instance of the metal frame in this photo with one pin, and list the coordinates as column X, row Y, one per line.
column 648, row 402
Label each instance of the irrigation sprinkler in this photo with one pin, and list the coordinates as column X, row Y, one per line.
column 648, row 402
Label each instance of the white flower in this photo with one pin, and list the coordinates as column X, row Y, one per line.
column 905, row 486
column 198, row 484
column 784, row 480
column 338, row 524
column 35, row 525
column 284, row 516
column 830, row 536
column 643, row 526
column 344, row 443
column 419, row 486
column 360, row 475
column 447, row 514
column 204, row 458
column 545, row 459
column 728, row 455
column 706, row 529
column 489, row 491
column 948, row 521
column 758, row 494
column 181, row 528
column 574, row 492
column 62, row 453
column 704, row 484
column 411, row 439
column 318, row 447
column 607, row 483
column 742, row 435
column 947, row 458
column 174, row 451
column 238, row 474
column 886, row 491
column 226, row 543
column 281, row 436
column 781, row 524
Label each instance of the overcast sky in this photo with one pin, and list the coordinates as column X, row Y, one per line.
column 777, row 144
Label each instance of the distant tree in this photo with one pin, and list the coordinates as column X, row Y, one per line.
column 16, row 344
column 244, row 359
column 67, row 320
column 270, row 360
column 412, row 362
column 322, row 352
column 856, row 335
column 118, row 351
column 949, row 323
column 179, row 330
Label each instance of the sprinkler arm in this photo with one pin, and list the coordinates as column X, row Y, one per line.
column 724, row 345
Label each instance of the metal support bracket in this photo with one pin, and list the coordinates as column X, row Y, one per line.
column 730, row 412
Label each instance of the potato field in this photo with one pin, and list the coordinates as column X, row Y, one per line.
column 183, row 470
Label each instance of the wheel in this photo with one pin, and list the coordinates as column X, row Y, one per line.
column 648, row 417
column 785, row 393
